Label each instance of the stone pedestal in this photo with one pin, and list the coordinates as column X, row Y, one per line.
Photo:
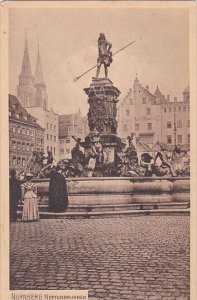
column 102, row 98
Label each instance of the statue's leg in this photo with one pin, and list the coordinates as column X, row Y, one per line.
column 98, row 70
column 106, row 71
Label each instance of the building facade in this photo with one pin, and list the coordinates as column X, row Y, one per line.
column 47, row 119
column 153, row 118
column 139, row 113
column 25, row 135
column 70, row 125
column 32, row 94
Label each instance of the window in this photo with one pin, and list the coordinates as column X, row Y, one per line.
column 67, row 141
column 51, row 137
column 31, row 133
column 179, row 124
column 179, row 138
column 14, row 129
column 131, row 101
column 143, row 100
column 124, row 127
column 14, row 145
column 179, row 109
column 18, row 130
column 174, row 109
column 19, row 161
column 188, row 123
column 169, row 139
column 23, row 162
column 23, row 131
column 23, row 146
column 67, row 151
column 19, row 146
column 51, row 126
column 127, row 112
column 188, row 138
column 47, row 148
column 47, row 125
column 27, row 132
column 184, row 108
column 137, row 127
column 149, row 126
column 14, row 161
column 165, row 110
column 61, row 142
column 170, row 109
column 54, row 127
column 54, row 138
column 47, row 136
column 54, row 150
column 27, row 147
column 169, row 125
column 148, row 111
column 62, row 151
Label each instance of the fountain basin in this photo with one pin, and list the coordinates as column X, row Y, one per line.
column 124, row 190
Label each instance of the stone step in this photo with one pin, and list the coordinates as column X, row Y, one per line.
column 118, row 207
column 104, row 214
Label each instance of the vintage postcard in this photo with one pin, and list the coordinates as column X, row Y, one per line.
column 98, row 150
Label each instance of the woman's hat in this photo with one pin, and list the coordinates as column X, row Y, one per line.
column 29, row 175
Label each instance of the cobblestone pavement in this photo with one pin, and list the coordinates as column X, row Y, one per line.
column 144, row 257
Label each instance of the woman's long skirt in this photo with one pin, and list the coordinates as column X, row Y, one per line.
column 30, row 209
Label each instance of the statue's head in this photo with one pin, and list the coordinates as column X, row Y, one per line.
column 101, row 37
column 49, row 153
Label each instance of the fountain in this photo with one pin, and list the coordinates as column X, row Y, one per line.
column 105, row 173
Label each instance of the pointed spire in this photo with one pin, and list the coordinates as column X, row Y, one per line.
column 26, row 66
column 39, row 78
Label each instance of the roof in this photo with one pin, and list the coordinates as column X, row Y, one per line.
column 159, row 95
column 186, row 90
column 16, row 109
column 26, row 66
column 39, row 78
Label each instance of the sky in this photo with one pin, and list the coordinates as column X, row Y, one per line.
column 68, row 47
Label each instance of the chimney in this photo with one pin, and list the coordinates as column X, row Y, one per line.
column 168, row 97
column 175, row 99
column 147, row 88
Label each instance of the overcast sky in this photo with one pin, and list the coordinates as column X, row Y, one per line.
column 68, row 47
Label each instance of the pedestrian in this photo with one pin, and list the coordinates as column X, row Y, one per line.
column 14, row 195
column 58, row 197
column 30, row 200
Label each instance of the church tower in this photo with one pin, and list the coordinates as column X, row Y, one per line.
column 39, row 84
column 25, row 90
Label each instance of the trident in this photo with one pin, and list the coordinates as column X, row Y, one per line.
column 77, row 78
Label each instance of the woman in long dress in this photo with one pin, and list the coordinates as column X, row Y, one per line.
column 30, row 200
column 58, row 196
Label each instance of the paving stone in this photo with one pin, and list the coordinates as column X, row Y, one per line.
column 115, row 258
